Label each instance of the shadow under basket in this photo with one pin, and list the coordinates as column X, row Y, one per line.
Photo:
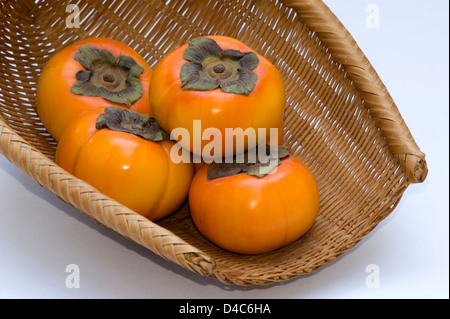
column 339, row 120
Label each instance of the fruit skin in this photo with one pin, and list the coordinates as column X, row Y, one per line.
column 131, row 170
column 57, row 106
column 250, row 215
column 175, row 107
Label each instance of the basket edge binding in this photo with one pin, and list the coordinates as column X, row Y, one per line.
column 100, row 208
column 317, row 17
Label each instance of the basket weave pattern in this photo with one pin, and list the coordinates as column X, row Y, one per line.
column 339, row 120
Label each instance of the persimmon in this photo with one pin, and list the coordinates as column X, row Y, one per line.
column 254, row 208
column 88, row 74
column 126, row 156
column 224, row 84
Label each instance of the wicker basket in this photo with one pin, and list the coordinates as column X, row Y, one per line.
column 339, row 120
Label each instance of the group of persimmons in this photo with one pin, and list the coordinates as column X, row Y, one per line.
column 113, row 119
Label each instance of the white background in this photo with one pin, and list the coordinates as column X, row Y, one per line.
column 40, row 235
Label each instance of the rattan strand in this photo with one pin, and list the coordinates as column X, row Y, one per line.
column 339, row 119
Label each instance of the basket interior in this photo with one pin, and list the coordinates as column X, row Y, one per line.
column 326, row 123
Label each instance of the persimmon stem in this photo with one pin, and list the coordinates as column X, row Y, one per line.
column 124, row 120
column 114, row 79
column 219, row 68
column 252, row 164
column 209, row 67
column 109, row 78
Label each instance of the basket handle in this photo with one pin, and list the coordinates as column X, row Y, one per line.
column 318, row 18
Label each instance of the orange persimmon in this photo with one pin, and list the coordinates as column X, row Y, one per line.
column 246, row 212
column 126, row 156
column 223, row 83
column 88, row 74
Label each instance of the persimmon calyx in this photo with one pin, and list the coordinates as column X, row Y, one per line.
column 250, row 163
column 129, row 121
column 209, row 67
column 114, row 79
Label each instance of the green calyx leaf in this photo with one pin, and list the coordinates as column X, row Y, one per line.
column 209, row 67
column 255, row 163
column 114, row 79
column 124, row 120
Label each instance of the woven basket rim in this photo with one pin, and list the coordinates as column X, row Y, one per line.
column 317, row 17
